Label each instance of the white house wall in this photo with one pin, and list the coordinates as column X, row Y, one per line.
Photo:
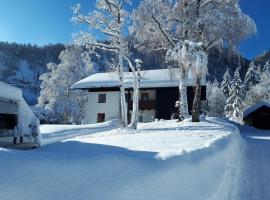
column 111, row 108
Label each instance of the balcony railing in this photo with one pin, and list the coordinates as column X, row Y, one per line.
column 143, row 105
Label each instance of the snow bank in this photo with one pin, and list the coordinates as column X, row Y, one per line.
column 56, row 133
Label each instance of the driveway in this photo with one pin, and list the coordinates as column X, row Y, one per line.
column 254, row 177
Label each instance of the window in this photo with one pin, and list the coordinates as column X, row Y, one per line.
column 140, row 118
column 145, row 97
column 127, row 95
column 100, row 117
column 102, row 98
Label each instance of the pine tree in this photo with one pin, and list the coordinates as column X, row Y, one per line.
column 253, row 76
column 266, row 67
column 225, row 84
column 234, row 104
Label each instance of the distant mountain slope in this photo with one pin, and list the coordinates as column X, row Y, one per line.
column 21, row 65
column 263, row 58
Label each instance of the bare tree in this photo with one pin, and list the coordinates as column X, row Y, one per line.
column 110, row 19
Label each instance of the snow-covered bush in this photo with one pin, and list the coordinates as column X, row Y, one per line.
column 45, row 116
column 216, row 100
column 55, row 92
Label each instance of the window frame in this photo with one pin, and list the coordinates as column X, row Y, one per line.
column 102, row 98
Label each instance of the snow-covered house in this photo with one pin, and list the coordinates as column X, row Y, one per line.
column 258, row 115
column 159, row 90
column 17, row 121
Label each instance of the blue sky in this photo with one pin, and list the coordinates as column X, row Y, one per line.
column 48, row 21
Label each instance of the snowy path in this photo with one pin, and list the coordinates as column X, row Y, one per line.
column 254, row 177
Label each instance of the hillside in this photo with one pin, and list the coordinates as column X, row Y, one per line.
column 21, row 65
column 263, row 58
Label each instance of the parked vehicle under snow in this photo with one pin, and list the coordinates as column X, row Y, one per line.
column 18, row 124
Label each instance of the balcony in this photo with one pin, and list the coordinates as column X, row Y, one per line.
column 143, row 105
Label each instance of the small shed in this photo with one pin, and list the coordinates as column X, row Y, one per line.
column 258, row 115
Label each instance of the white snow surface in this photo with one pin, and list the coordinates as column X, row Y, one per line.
column 121, row 165
column 56, row 133
column 255, row 107
column 165, row 138
column 149, row 79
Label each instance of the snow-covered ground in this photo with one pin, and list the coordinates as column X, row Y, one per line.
column 163, row 160
column 56, row 133
column 253, row 177
column 165, row 138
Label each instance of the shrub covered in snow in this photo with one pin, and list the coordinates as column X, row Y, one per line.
column 45, row 116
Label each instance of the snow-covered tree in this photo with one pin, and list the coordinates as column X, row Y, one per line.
column 55, row 92
column 166, row 24
column 216, row 99
column 110, row 19
column 266, row 67
column 252, row 77
column 259, row 92
column 234, row 104
column 226, row 83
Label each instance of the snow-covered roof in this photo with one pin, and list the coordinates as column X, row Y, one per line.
column 10, row 92
column 255, row 107
column 149, row 79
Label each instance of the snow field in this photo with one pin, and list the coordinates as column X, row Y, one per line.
column 124, row 165
column 165, row 138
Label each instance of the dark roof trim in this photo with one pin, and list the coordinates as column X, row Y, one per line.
column 113, row 89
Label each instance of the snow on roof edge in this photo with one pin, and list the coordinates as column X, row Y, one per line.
column 150, row 79
column 255, row 107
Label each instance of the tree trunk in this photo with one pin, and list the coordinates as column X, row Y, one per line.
column 197, row 102
column 123, row 103
column 135, row 106
column 183, row 107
